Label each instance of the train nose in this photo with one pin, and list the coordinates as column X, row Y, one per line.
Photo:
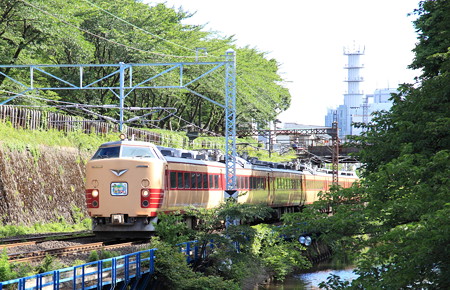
column 118, row 172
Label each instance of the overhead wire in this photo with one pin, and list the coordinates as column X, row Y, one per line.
column 157, row 36
column 137, row 27
column 101, row 37
column 195, row 125
column 64, row 105
column 134, row 48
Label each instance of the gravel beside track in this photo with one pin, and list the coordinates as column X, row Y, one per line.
column 42, row 246
column 70, row 259
column 43, row 235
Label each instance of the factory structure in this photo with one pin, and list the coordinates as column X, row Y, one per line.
column 358, row 107
column 314, row 144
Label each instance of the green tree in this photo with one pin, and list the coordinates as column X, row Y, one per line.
column 172, row 271
column 129, row 31
column 397, row 218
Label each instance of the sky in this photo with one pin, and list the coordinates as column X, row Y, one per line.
column 307, row 38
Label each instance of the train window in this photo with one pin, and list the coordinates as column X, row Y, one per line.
column 216, row 181
column 173, row 179
column 138, row 152
column 107, row 152
column 199, row 180
column 205, row 181
column 193, row 180
column 180, row 179
column 319, row 184
column 211, row 181
column 187, row 180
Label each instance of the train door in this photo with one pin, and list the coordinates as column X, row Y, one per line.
column 165, row 186
column 303, row 188
column 270, row 189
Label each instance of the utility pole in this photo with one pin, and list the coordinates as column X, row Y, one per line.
column 335, row 152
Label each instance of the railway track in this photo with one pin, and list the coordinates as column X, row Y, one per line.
column 32, row 240
column 38, row 255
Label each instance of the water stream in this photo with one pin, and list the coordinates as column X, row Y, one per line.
column 311, row 278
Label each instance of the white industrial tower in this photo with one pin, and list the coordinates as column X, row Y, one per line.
column 358, row 107
column 354, row 96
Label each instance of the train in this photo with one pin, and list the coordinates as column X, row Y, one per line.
column 128, row 183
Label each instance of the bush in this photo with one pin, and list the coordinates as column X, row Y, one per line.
column 48, row 264
column 172, row 271
column 6, row 272
column 172, row 229
column 281, row 257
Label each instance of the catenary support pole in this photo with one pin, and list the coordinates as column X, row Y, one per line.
column 230, row 125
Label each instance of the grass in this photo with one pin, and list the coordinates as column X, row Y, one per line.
column 23, row 139
column 53, row 227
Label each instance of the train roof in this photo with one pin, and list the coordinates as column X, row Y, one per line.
column 217, row 158
column 126, row 142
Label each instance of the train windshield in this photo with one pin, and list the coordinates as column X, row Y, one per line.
column 124, row 152
column 107, row 152
column 138, row 152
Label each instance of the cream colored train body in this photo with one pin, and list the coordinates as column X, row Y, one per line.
column 129, row 182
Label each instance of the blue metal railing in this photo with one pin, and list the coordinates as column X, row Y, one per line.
column 95, row 275
column 92, row 275
column 192, row 250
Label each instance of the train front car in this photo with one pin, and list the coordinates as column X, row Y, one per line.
column 125, row 188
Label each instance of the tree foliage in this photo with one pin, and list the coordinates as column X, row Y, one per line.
column 261, row 251
column 129, row 31
column 397, row 219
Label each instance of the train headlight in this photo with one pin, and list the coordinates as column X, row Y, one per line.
column 145, row 182
column 94, row 193
column 145, row 193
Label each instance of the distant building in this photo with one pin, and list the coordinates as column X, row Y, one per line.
column 357, row 107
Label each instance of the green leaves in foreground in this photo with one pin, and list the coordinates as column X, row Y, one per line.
column 262, row 249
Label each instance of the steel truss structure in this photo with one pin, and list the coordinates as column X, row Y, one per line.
column 295, row 132
column 121, row 81
column 333, row 132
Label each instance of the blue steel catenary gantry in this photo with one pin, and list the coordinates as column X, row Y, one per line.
column 123, row 88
